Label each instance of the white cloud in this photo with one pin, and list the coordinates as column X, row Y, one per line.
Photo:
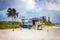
column 54, row 6
column 25, row 4
column 30, row 5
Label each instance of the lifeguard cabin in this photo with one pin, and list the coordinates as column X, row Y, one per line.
column 26, row 23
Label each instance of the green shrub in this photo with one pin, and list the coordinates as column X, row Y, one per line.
column 8, row 25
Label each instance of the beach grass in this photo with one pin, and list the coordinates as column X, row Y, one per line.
column 8, row 25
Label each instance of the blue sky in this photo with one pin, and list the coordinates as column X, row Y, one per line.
column 31, row 8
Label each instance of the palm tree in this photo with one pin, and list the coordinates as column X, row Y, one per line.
column 44, row 19
column 11, row 12
column 49, row 22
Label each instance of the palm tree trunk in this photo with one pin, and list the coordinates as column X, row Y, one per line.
column 12, row 24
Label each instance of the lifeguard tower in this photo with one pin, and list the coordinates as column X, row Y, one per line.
column 25, row 23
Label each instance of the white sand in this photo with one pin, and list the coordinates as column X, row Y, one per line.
column 26, row 34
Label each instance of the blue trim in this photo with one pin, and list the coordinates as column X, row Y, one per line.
column 26, row 26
